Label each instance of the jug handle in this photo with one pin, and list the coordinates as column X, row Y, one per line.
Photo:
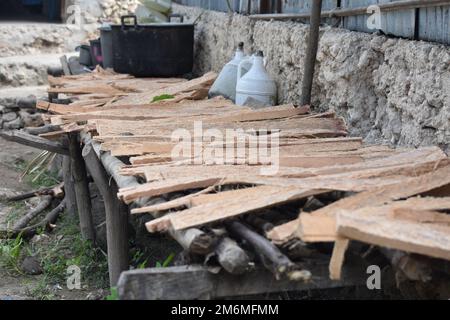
column 244, row 61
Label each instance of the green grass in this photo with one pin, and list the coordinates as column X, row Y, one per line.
column 10, row 253
column 166, row 263
column 70, row 249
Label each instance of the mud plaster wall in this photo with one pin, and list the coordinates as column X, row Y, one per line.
column 388, row 90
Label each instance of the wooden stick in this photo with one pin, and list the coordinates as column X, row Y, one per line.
column 34, row 141
column 116, row 216
column 311, row 53
column 30, row 231
column 31, row 194
column 25, row 220
column 81, row 189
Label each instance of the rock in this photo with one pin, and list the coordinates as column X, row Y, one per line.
column 13, row 125
column 39, row 238
column 27, row 103
column 1, row 123
column 2, row 109
column 31, row 266
column 31, row 120
column 10, row 116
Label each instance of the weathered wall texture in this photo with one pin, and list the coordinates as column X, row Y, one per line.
column 389, row 90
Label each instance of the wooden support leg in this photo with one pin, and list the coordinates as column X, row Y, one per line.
column 116, row 216
column 338, row 258
column 81, row 188
column 69, row 188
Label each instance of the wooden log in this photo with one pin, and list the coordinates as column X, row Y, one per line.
column 30, row 231
column 69, row 188
column 116, row 216
column 45, row 202
column 197, row 282
column 31, row 194
column 81, row 188
column 195, row 241
column 311, row 53
column 280, row 265
column 34, row 141
column 232, row 257
column 41, row 130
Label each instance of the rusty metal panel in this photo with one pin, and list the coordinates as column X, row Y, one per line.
column 434, row 24
column 301, row 6
column 399, row 23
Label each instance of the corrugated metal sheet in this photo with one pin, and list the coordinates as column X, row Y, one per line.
column 431, row 24
column 434, row 24
column 399, row 23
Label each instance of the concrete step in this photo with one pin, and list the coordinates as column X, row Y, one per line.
column 28, row 70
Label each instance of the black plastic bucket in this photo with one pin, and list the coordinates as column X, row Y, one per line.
column 107, row 46
column 153, row 50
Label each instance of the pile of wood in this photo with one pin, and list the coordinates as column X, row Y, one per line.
column 328, row 187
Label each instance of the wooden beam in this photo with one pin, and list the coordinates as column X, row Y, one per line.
column 197, row 282
column 83, row 197
column 34, row 142
column 116, row 216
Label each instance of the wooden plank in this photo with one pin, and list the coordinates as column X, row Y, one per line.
column 320, row 226
column 162, row 187
column 34, row 141
column 404, row 189
column 197, row 282
column 374, row 225
column 228, row 208
column 203, row 82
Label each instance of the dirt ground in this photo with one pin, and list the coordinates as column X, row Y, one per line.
column 14, row 285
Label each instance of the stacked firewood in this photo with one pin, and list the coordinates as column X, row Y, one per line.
column 237, row 214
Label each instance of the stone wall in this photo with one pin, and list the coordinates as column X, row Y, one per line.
column 389, row 90
column 21, row 115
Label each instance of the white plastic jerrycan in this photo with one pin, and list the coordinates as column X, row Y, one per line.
column 225, row 84
column 256, row 87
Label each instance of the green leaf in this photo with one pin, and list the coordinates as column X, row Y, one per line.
column 163, row 97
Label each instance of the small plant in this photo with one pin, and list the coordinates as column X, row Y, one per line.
column 166, row 262
column 35, row 172
column 162, row 97
column 114, row 295
column 10, row 251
